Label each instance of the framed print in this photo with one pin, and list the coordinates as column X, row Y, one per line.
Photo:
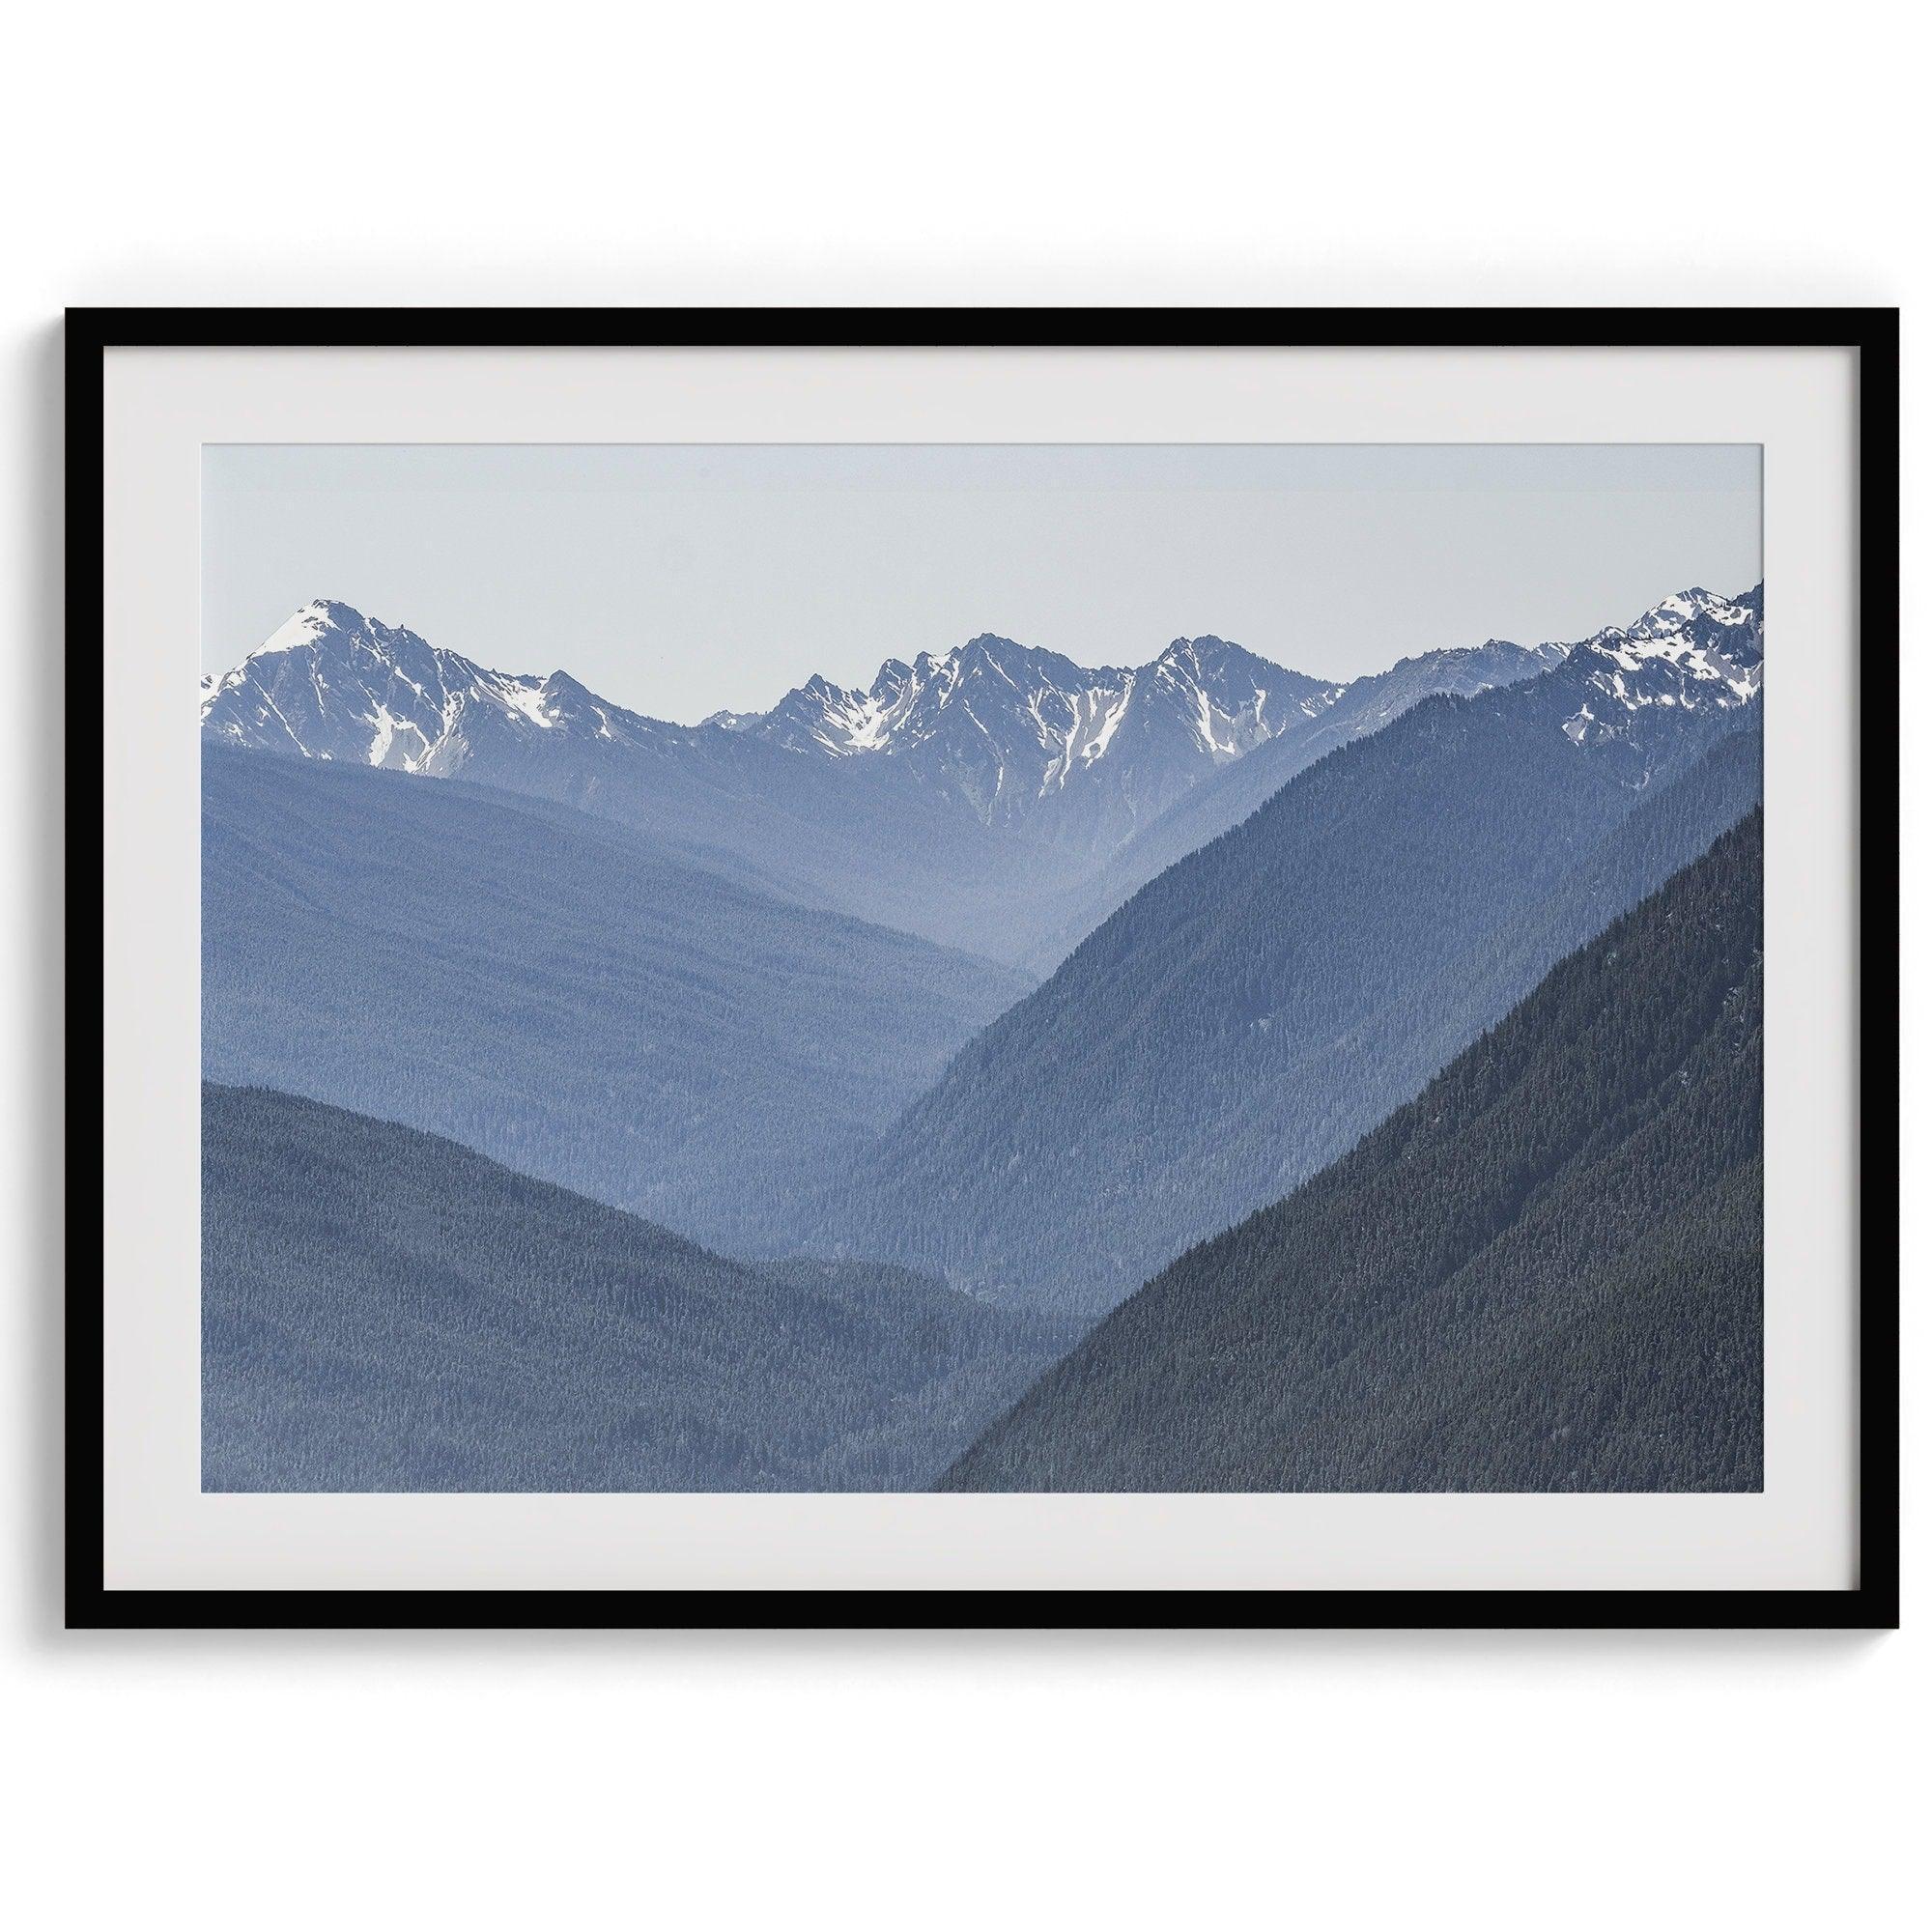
column 1028, row 968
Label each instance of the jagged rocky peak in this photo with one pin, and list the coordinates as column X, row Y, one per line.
column 1203, row 652
column 993, row 683
column 1694, row 651
column 1688, row 607
column 336, row 629
column 1208, row 660
column 990, row 646
column 1014, row 729
column 313, row 620
column 1691, row 618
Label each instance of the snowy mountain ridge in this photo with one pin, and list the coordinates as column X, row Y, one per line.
column 991, row 736
column 1008, row 725
column 1013, row 732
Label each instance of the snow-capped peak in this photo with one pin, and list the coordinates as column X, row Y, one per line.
column 990, row 683
column 304, row 628
column 1675, row 613
column 1691, row 651
column 330, row 683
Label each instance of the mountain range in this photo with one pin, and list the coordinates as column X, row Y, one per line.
column 1543, row 1273
column 986, row 797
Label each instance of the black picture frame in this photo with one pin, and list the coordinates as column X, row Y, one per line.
column 1871, row 332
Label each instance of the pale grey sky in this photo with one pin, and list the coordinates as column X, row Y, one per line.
column 676, row 579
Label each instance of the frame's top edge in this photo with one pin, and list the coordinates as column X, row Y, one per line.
column 1869, row 328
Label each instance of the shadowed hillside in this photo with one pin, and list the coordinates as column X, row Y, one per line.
column 385, row 1310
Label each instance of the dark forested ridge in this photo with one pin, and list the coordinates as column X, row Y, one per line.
column 552, row 990
column 1263, row 1002
column 383, row 1309
column 1544, row 1273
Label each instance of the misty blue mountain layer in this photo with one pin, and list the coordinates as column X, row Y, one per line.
column 552, row 990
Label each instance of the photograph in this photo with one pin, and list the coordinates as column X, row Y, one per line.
column 1003, row 967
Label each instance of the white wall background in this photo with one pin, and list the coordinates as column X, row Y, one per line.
column 395, row 152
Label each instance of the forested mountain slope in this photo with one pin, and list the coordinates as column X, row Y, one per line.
column 1248, row 1015
column 1674, row 824
column 552, row 989
column 386, row 1310
column 1543, row 1273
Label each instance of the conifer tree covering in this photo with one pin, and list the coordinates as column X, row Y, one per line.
column 1543, row 1273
